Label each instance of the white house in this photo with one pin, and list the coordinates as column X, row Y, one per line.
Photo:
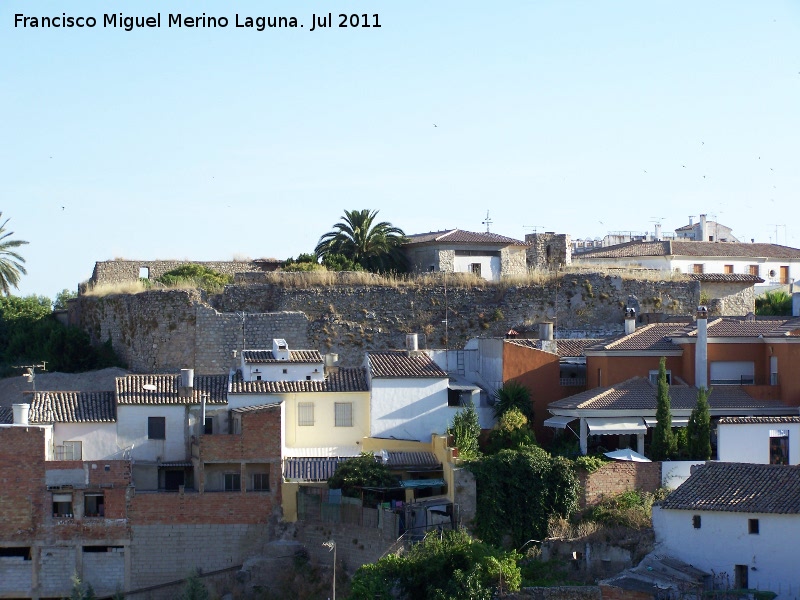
column 740, row 522
column 776, row 265
column 282, row 364
column 487, row 255
column 763, row 440
column 409, row 395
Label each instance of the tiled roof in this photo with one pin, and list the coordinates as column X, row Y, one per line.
column 6, row 415
column 131, row 390
column 402, row 364
column 296, row 356
column 411, row 460
column 567, row 347
column 725, row 278
column 638, row 393
column 345, row 380
column 73, row 407
column 739, row 487
column 649, row 337
column 727, row 327
column 757, row 420
column 459, row 236
column 688, row 248
column 247, row 409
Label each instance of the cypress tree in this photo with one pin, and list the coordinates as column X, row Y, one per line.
column 664, row 443
column 698, row 431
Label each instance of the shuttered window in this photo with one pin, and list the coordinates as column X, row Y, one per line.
column 344, row 414
column 305, row 413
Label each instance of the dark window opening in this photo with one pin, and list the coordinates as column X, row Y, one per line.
column 23, row 552
column 233, row 482
column 308, row 377
column 62, row 506
column 258, row 377
column 94, row 505
column 740, row 579
column 208, row 426
column 173, row 479
column 99, row 549
column 696, row 521
column 475, row 268
column 752, row 526
column 261, row 482
column 457, row 398
column 157, row 428
column 779, row 450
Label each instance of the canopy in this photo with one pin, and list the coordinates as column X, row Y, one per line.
column 676, row 421
column 558, row 421
column 615, row 426
column 421, row 483
column 627, row 454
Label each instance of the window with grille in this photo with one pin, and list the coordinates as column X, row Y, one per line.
column 697, row 268
column 305, row 413
column 68, row 451
column 344, row 414
column 233, row 482
column 261, row 482
column 156, row 428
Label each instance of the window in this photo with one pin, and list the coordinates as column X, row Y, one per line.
column 308, row 377
column 654, row 377
column 208, row 426
column 144, row 273
column 68, row 451
column 233, row 482
column 156, row 428
column 753, row 270
column 285, row 371
column 728, row 269
column 305, row 413
column 779, row 446
column 752, row 526
column 697, row 268
column 475, row 268
column 94, row 505
column 62, row 506
column 261, row 482
column 343, row 413
column 258, row 377
column 696, row 521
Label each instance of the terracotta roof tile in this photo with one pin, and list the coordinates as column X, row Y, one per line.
column 345, row 380
column 638, row 393
column 739, row 487
column 567, row 347
column 758, row 420
column 131, row 390
column 725, row 278
column 73, row 407
column 295, row 356
column 688, row 248
column 401, row 364
column 650, row 337
column 459, row 236
column 6, row 415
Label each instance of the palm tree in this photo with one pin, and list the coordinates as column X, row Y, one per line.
column 373, row 246
column 10, row 262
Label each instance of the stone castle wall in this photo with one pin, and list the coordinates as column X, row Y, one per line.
column 165, row 330
column 121, row 270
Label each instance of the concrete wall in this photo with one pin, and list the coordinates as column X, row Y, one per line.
column 409, row 409
column 723, row 541
column 104, row 570
column 98, row 440
column 324, row 432
column 749, row 443
column 132, row 431
column 56, row 566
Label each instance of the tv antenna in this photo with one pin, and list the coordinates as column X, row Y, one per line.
column 533, row 228
column 487, row 222
column 776, row 225
column 30, row 372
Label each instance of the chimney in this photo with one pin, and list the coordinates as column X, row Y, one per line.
column 21, row 412
column 691, row 220
column 546, row 331
column 412, row 342
column 703, row 232
column 658, row 232
column 331, row 360
column 187, row 383
column 701, row 349
column 630, row 320
column 280, row 349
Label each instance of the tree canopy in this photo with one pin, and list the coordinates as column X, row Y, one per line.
column 11, row 262
column 359, row 472
column 466, row 429
column 664, row 444
column 358, row 238
column 197, row 275
column 698, row 432
column 513, row 395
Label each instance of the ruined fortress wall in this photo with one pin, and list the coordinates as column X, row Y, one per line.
column 120, row 270
column 165, row 330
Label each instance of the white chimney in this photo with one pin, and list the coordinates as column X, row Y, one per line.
column 21, row 413
column 630, row 320
column 280, row 349
column 546, row 331
column 412, row 342
column 658, row 232
column 331, row 360
column 703, row 232
column 701, row 349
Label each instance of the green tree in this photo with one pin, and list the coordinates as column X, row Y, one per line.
column 11, row 262
column 698, row 432
column 60, row 303
column 339, row 262
column 519, row 490
column 774, row 303
column 513, row 395
column 466, row 429
column 447, row 566
column 375, row 246
column 361, row 471
column 511, row 432
column 194, row 588
column 664, row 444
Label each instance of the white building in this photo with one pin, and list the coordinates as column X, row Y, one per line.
column 282, row 364
column 763, row 440
column 740, row 522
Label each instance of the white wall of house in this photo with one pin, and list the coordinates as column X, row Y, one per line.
column 275, row 371
column 410, row 409
column 132, row 423
column 749, row 443
column 98, row 440
column 723, row 541
column 489, row 265
column 324, row 432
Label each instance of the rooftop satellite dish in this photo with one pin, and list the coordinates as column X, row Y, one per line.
column 149, row 387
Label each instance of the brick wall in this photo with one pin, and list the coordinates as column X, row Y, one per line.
column 22, row 482
column 260, row 440
column 617, row 477
column 588, row 592
column 614, row 593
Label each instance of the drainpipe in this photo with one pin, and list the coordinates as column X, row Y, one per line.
column 701, row 349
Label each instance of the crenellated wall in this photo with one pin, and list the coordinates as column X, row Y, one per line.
column 165, row 330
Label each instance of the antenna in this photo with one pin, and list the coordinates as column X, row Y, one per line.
column 533, row 228
column 776, row 225
column 487, row 222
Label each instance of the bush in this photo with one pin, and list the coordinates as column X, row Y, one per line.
column 511, row 432
column 197, row 276
column 362, row 471
column 465, row 430
column 631, row 509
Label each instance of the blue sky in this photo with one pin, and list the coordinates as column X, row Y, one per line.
column 575, row 117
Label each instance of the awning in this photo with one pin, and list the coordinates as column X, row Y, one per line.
column 676, row 422
column 421, row 483
column 310, row 469
column 615, row 426
column 559, row 421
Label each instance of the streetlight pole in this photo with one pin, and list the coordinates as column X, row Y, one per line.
column 331, row 545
